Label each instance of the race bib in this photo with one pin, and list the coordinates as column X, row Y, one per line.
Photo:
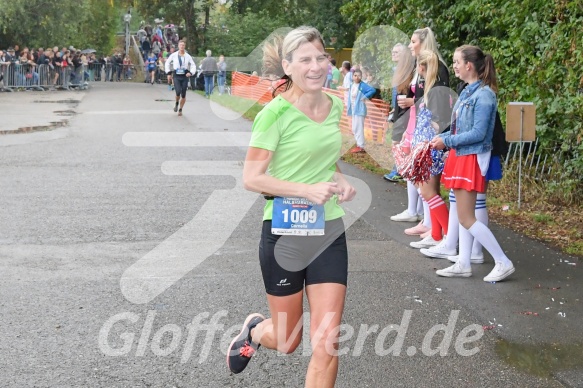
column 297, row 216
column 180, row 72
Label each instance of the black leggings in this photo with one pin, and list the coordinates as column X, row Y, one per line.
column 180, row 85
column 288, row 263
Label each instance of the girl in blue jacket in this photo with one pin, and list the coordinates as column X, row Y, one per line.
column 470, row 143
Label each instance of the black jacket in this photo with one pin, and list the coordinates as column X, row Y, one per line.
column 440, row 103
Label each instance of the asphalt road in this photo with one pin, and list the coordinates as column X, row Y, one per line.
column 128, row 258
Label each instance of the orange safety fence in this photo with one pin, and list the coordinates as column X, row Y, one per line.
column 251, row 87
column 375, row 126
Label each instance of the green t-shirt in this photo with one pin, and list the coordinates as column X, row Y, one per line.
column 335, row 77
column 303, row 150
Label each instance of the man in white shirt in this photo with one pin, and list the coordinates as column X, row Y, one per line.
column 345, row 70
column 182, row 65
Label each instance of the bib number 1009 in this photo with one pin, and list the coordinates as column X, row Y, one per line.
column 297, row 216
column 303, row 216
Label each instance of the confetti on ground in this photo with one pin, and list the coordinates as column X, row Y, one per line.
column 528, row 313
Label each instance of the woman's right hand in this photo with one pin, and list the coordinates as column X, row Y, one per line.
column 405, row 102
column 320, row 193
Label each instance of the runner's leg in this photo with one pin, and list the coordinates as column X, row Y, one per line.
column 326, row 306
column 283, row 331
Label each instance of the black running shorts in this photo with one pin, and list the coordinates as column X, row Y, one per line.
column 180, row 85
column 288, row 263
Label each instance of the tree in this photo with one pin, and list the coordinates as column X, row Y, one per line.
column 178, row 12
column 327, row 18
column 47, row 23
column 241, row 36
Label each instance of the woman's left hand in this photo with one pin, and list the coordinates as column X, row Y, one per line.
column 346, row 191
column 437, row 143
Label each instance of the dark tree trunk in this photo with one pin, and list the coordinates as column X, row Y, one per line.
column 192, row 38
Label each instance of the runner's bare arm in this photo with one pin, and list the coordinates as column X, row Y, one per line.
column 346, row 191
column 255, row 179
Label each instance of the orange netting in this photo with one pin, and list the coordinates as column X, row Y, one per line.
column 257, row 89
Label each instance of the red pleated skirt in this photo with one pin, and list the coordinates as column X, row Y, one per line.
column 463, row 172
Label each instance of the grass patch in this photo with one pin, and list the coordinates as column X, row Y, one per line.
column 542, row 218
column 377, row 158
column 575, row 248
column 553, row 218
column 248, row 108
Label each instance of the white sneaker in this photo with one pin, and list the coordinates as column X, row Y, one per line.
column 500, row 272
column 455, row 271
column 427, row 242
column 474, row 259
column 405, row 217
column 438, row 251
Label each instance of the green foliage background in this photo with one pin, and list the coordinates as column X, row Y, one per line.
column 537, row 47
column 48, row 23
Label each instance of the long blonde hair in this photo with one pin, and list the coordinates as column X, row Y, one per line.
column 429, row 60
column 404, row 71
column 428, row 41
column 281, row 48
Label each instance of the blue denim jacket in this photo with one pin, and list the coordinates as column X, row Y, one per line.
column 359, row 108
column 474, row 126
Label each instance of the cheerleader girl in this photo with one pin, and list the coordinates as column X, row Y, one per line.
column 470, row 143
column 432, row 106
column 447, row 248
column 421, row 39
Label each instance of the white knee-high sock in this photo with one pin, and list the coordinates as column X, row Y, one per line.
column 426, row 215
column 485, row 236
column 453, row 222
column 481, row 215
column 465, row 247
column 412, row 198
column 420, row 205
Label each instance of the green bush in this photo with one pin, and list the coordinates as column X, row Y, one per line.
column 537, row 47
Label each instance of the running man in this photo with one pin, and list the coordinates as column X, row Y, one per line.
column 182, row 65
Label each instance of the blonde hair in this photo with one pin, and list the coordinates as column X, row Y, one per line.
column 281, row 48
column 428, row 41
column 429, row 60
column 404, row 71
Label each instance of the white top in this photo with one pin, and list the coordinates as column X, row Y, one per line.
column 484, row 162
column 353, row 95
column 173, row 64
column 347, row 80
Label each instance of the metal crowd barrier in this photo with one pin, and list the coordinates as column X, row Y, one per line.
column 42, row 77
column 94, row 71
column 115, row 72
column 4, row 76
column 20, row 76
